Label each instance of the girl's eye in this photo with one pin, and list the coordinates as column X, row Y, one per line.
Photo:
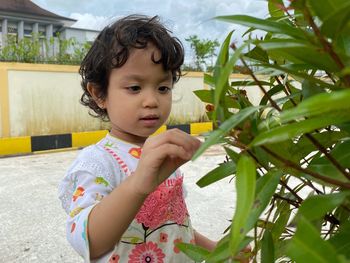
column 164, row 89
column 134, row 89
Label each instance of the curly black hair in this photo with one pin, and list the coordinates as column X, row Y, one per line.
column 112, row 47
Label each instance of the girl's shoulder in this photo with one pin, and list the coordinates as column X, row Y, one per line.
column 95, row 160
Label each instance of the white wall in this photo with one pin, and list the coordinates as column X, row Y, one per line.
column 45, row 100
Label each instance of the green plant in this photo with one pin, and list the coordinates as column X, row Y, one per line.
column 38, row 49
column 203, row 49
column 292, row 166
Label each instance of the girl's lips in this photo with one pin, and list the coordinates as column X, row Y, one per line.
column 149, row 121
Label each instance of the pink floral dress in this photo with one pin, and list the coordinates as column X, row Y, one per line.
column 161, row 222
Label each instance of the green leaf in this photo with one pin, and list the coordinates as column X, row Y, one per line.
column 315, row 207
column 279, row 226
column 267, row 248
column 298, row 51
column 275, row 8
column 223, row 56
column 258, row 54
column 335, row 22
column 194, row 252
column 222, row 252
column 270, row 93
column 245, row 188
column 293, row 70
column 265, row 25
column 245, row 83
column 209, row 80
column 224, row 170
column 327, row 7
column 310, row 89
column 265, row 188
column 341, row 241
column 232, row 154
column 224, row 128
column 222, row 79
column 324, row 167
column 327, row 138
column 290, row 131
column 206, row 96
column 308, row 246
column 335, row 101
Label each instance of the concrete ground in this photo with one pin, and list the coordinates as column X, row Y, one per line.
column 32, row 222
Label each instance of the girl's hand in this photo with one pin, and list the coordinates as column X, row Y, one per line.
column 161, row 156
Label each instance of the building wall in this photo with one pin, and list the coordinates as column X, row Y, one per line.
column 44, row 99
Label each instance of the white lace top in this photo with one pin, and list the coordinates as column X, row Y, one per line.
column 161, row 222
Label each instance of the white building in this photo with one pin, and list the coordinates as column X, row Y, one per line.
column 22, row 18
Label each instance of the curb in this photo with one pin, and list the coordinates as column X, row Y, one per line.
column 25, row 145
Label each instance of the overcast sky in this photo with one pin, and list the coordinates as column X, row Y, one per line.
column 183, row 17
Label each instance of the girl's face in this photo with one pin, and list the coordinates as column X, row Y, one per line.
column 139, row 96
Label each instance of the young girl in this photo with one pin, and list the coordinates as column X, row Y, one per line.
column 124, row 195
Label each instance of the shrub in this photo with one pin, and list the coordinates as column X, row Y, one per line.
column 290, row 154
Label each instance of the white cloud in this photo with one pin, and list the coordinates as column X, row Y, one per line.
column 183, row 17
column 89, row 21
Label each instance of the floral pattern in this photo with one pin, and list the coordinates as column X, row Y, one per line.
column 163, row 237
column 176, row 249
column 114, row 258
column 164, row 204
column 146, row 253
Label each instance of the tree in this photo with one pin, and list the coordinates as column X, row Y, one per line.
column 203, row 50
column 36, row 49
column 292, row 166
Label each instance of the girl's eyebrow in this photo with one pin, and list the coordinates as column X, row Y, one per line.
column 137, row 77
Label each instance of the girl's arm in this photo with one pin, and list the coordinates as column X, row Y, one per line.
column 210, row 245
column 204, row 242
column 161, row 156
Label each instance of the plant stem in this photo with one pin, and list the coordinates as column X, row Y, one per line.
column 327, row 47
column 328, row 156
column 320, row 147
column 289, row 201
column 273, row 103
column 306, row 171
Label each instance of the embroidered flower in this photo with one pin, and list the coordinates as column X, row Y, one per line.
column 73, row 227
column 163, row 237
column 146, row 253
column 135, row 152
column 178, row 240
column 114, row 258
column 166, row 203
column 80, row 191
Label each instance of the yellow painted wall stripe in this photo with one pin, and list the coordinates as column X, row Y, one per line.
column 160, row 130
column 200, row 128
column 15, row 145
column 82, row 139
column 22, row 145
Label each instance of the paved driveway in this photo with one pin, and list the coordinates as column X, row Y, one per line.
column 32, row 221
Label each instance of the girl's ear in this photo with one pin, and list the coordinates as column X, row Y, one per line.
column 95, row 94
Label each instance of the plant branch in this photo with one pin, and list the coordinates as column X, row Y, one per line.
column 306, row 171
column 320, row 147
column 251, row 73
column 286, row 90
column 289, row 201
column 327, row 47
column 328, row 156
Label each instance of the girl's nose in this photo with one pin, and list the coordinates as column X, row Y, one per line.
column 150, row 100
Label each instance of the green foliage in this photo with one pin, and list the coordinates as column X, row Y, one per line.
column 38, row 49
column 290, row 154
column 203, row 49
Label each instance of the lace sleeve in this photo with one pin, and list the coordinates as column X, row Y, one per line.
column 91, row 177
